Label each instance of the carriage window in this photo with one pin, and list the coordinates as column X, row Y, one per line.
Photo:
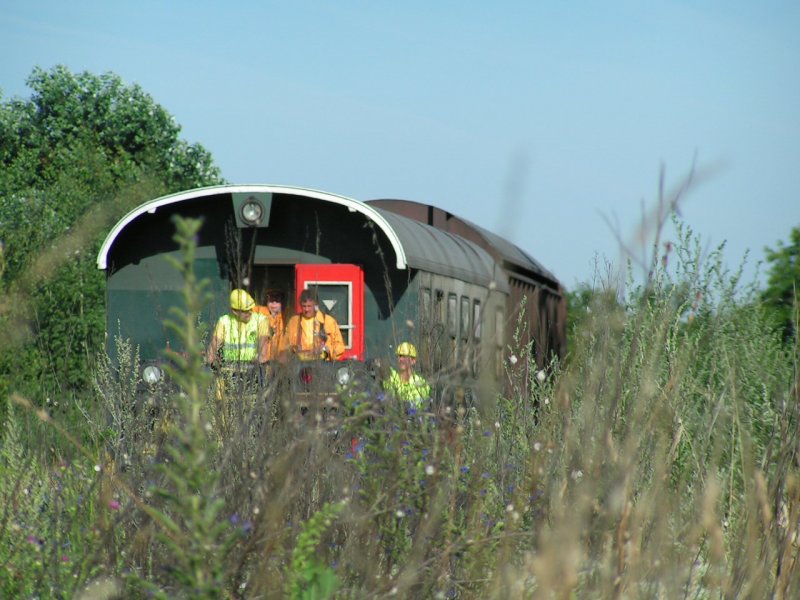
column 425, row 306
column 476, row 319
column 499, row 331
column 437, row 309
column 452, row 315
column 465, row 316
column 336, row 300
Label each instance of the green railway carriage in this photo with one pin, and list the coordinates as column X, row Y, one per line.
column 386, row 277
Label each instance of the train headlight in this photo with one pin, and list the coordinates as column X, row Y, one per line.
column 252, row 211
column 152, row 374
column 343, row 376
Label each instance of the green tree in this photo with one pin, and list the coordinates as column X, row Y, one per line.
column 74, row 157
column 782, row 295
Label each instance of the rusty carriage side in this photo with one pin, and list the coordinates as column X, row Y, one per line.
column 536, row 299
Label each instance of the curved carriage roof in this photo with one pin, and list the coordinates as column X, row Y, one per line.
column 510, row 255
column 416, row 245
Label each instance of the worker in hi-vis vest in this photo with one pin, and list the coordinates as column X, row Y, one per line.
column 240, row 341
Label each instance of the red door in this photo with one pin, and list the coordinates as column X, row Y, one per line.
column 340, row 289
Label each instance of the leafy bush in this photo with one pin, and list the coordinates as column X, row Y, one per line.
column 76, row 156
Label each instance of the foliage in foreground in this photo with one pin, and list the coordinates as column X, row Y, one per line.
column 74, row 157
column 659, row 461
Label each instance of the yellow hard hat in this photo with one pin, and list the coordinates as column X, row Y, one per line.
column 241, row 300
column 406, row 349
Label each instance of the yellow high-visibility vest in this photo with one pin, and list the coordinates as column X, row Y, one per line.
column 240, row 339
column 416, row 390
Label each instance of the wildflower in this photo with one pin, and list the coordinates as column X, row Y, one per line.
column 430, row 470
column 114, row 505
column 233, row 519
column 464, row 469
column 399, row 514
column 510, row 508
column 487, row 434
column 546, row 401
column 576, row 474
column 513, row 359
column 540, row 376
column 497, row 424
column 537, row 446
column 97, row 468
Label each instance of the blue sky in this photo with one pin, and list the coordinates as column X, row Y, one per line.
column 543, row 121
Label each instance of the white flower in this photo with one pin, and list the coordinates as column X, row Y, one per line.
column 537, row 446
column 429, row 470
column 576, row 474
column 510, row 508
column 497, row 424
column 399, row 514
column 540, row 375
column 512, row 359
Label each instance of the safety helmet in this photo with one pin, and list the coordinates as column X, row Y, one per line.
column 241, row 300
column 407, row 349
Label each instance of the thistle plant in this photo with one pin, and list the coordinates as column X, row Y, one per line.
column 187, row 507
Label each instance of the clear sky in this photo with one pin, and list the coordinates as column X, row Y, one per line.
column 543, row 121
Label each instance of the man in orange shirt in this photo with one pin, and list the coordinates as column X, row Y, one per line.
column 312, row 335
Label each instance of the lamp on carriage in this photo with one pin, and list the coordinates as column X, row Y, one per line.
column 252, row 211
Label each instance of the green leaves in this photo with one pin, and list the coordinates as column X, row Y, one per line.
column 74, row 157
column 783, row 287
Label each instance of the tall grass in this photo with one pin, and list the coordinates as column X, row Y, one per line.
column 659, row 461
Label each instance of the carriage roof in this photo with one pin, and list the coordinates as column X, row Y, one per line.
column 416, row 245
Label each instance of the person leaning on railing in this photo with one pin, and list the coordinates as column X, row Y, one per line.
column 312, row 335
column 274, row 312
column 404, row 383
column 240, row 340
